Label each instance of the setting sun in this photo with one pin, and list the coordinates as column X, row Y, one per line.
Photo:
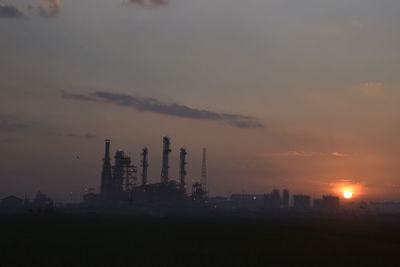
column 347, row 194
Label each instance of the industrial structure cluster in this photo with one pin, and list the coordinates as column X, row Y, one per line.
column 125, row 185
column 120, row 186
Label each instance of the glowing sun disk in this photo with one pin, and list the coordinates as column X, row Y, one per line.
column 347, row 194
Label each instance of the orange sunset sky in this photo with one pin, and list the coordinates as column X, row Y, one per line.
column 298, row 94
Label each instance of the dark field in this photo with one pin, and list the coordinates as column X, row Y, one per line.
column 97, row 240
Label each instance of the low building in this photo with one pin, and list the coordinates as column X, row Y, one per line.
column 273, row 201
column 247, row 202
column 42, row 202
column 246, row 198
column 11, row 202
column 317, row 205
column 285, row 199
column 330, row 204
column 301, row 203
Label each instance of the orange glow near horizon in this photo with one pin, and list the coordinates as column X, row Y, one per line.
column 348, row 190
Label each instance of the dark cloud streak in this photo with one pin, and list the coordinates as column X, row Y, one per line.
column 67, row 95
column 9, row 11
column 147, row 3
column 46, row 8
column 174, row 109
column 74, row 135
column 6, row 125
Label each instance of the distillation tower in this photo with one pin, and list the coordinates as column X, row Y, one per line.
column 182, row 169
column 203, row 180
column 144, row 164
column 165, row 160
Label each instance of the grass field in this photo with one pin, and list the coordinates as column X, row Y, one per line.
column 118, row 240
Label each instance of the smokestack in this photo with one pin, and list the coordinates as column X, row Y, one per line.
column 165, row 163
column 106, row 176
column 204, row 171
column 107, row 150
column 182, row 168
column 144, row 165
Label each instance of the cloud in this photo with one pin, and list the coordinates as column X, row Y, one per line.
column 42, row 8
column 46, row 8
column 74, row 135
column 6, row 125
column 147, row 3
column 67, row 95
column 372, row 88
column 9, row 11
column 308, row 154
column 89, row 135
column 392, row 185
column 340, row 155
column 174, row 109
column 294, row 154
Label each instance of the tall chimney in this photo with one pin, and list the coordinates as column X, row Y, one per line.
column 165, row 163
column 106, row 175
column 144, row 165
column 107, row 150
column 182, row 168
column 203, row 180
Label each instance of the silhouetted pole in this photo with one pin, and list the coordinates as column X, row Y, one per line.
column 144, row 165
column 165, row 163
column 204, row 171
column 106, row 170
column 182, row 168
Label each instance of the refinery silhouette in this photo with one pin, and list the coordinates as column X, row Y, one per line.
column 124, row 187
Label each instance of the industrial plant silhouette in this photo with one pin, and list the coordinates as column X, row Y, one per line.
column 125, row 186
column 120, row 186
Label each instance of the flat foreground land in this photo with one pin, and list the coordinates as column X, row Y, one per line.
column 117, row 240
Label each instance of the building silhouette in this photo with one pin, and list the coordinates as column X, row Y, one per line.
column 330, row 204
column 301, row 203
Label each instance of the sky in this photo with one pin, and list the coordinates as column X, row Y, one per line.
column 298, row 94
